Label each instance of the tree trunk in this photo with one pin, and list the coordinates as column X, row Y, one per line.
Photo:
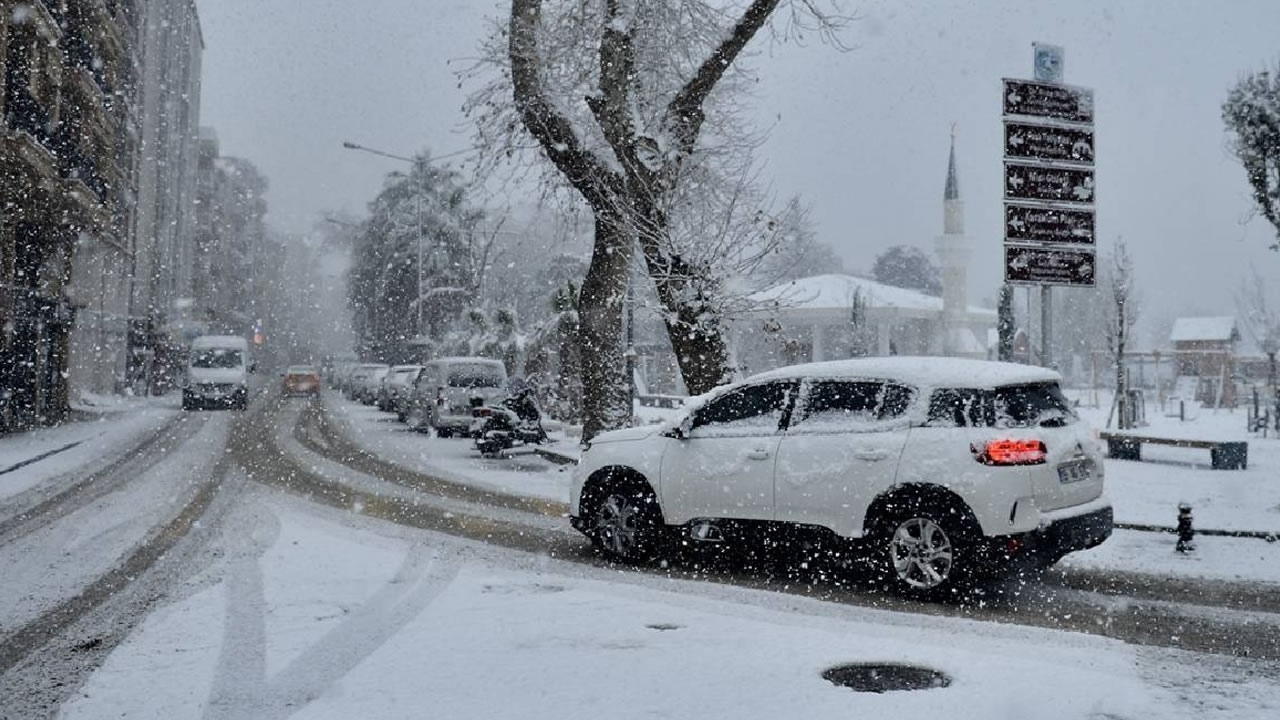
column 604, row 387
column 693, row 323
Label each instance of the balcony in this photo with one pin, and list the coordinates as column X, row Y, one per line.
column 80, row 53
column 25, row 114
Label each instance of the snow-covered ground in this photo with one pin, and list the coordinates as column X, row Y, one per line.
column 316, row 614
column 302, row 611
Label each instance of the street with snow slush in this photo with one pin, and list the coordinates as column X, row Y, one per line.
column 312, row 558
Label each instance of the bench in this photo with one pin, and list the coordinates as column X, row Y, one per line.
column 1223, row 455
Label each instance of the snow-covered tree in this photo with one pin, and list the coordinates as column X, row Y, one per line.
column 1006, row 324
column 1121, row 314
column 908, row 267
column 1262, row 322
column 616, row 95
column 799, row 253
column 423, row 217
column 1252, row 115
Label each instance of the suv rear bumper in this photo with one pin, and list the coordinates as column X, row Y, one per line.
column 1078, row 532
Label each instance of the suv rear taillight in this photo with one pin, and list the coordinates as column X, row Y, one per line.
column 1010, row 452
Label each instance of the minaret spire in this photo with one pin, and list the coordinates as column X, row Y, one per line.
column 955, row 334
column 952, row 205
column 953, row 181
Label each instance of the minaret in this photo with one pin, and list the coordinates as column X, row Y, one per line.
column 953, row 255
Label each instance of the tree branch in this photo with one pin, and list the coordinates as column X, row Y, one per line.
column 684, row 114
column 550, row 128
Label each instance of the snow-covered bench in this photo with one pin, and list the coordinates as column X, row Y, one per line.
column 1223, row 454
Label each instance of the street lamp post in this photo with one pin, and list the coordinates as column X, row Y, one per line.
column 418, row 196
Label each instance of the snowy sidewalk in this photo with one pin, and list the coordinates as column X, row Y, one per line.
column 109, row 427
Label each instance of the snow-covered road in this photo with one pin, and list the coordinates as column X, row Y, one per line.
column 322, row 587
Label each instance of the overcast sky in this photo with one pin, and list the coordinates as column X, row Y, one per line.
column 861, row 135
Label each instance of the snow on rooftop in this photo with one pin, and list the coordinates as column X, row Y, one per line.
column 922, row 371
column 822, row 292
column 1186, row 329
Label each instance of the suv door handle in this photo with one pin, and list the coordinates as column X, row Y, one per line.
column 871, row 455
column 758, row 454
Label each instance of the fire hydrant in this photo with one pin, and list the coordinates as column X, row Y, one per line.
column 1186, row 533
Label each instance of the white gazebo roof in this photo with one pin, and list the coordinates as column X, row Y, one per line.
column 836, row 292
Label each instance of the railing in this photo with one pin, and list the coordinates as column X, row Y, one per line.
column 76, row 165
column 669, row 402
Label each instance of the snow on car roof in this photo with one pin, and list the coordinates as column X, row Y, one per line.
column 921, row 371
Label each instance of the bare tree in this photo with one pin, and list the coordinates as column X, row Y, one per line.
column 1121, row 314
column 1252, row 114
column 615, row 94
column 1262, row 321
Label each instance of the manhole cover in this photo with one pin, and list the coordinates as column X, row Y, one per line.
column 883, row 677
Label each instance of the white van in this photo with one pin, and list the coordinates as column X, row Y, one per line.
column 217, row 373
column 442, row 395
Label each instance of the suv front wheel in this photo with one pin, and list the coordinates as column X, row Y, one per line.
column 624, row 521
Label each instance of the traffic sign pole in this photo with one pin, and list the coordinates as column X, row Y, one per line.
column 1049, row 190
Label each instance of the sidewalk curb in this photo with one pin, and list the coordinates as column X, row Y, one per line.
column 1255, row 534
column 38, row 458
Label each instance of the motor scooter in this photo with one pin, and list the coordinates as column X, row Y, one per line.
column 514, row 421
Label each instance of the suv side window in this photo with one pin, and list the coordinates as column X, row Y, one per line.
column 844, row 402
column 1031, row 405
column 961, row 407
column 753, row 407
column 1010, row 406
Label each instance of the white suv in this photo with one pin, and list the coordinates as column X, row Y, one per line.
column 936, row 469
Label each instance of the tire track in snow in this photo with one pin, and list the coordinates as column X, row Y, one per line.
column 241, row 688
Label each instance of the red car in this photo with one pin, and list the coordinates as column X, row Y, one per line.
column 301, row 380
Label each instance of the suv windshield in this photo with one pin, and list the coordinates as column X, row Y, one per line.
column 216, row 358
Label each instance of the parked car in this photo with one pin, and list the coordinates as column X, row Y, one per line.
column 394, row 387
column 300, row 380
column 935, row 471
column 367, row 390
column 355, row 384
column 448, row 388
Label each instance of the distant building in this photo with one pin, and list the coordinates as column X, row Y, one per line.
column 831, row 317
column 164, row 237
column 1205, row 350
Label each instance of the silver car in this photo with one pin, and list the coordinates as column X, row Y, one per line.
column 448, row 388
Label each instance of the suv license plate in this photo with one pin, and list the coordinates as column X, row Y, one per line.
column 1076, row 471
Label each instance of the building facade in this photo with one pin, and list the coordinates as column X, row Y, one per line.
column 68, row 191
column 79, row 211
column 164, row 238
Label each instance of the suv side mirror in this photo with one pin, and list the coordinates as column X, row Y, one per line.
column 682, row 430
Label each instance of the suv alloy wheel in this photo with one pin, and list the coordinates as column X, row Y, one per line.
column 624, row 522
column 922, row 552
